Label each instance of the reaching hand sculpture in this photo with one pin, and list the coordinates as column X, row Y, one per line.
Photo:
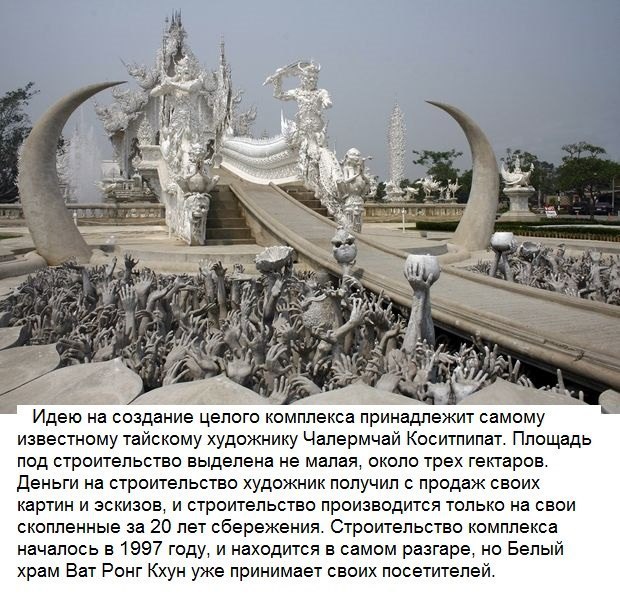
column 590, row 276
column 502, row 243
column 421, row 271
column 284, row 335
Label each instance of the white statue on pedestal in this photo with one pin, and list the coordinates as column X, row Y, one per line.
column 411, row 192
column 429, row 185
column 309, row 132
column 516, row 178
column 518, row 190
column 393, row 192
column 340, row 187
column 355, row 184
column 452, row 188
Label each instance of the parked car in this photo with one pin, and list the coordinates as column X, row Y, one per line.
column 580, row 208
column 602, row 208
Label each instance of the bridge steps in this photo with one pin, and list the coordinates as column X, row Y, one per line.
column 226, row 223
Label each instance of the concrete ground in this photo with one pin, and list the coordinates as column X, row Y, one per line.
column 155, row 248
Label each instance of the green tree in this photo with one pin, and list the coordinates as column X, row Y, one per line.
column 462, row 194
column 582, row 149
column 14, row 128
column 584, row 172
column 380, row 191
column 439, row 164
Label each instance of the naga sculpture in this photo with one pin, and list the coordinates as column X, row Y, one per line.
column 195, row 187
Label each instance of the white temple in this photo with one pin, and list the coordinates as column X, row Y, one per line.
column 184, row 121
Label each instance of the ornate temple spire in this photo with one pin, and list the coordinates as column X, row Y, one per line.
column 396, row 142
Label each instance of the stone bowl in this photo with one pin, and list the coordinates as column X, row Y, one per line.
column 529, row 249
column 273, row 258
column 424, row 265
column 502, row 241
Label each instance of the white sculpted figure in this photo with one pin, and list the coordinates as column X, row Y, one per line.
column 309, row 133
column 340, row 187
column 186, row 153
column 353, row 187
column 411, row 192
column 429, row 185
column 393, row 192
column 180, row 129
column 179, row 105
column 453, row 187
column 517, row 178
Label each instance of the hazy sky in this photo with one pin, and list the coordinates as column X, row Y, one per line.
column 534, row 74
